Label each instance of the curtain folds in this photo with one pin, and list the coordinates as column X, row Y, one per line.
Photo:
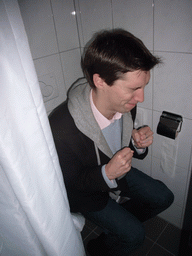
column 34, row 210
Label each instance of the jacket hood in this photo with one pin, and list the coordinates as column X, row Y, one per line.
column 80, row 109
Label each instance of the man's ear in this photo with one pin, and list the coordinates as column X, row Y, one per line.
column 98, row 81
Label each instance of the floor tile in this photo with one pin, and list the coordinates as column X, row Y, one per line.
column 86, row 232
column 90, row 237
column 159, row 251
column 162, row 238
column 144, row 248
column 154, row 227
column 90, row 224
column 170, row 239
column 98, row 230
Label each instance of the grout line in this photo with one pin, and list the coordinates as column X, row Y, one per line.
column 162, row 232
column 91, row 231
column 155, row 242
column 77, row 23
column 153, row 85
column 55, row 29
column 112, row 14
column 57, row 40
column 161, row 247
column 152, row 244
column 56, row 53
column 153, row 6
column 164, row 51
column 94, row 230
column 165, row 249
column 150, row 249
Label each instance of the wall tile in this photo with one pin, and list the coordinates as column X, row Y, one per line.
column 172, row 84
column 71, row 66
column 38, row 21
column 51, row 66
column 135, row 16
column 143, row 165
column 173, row 30
column 185, row 144
column 143, row 117
column 65, row 22
column 176, row 184
column 94, row 16
column 174, row 213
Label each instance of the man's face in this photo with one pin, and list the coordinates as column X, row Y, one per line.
column 126, row 92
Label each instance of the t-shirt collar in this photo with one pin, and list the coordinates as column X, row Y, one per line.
column 102, row 121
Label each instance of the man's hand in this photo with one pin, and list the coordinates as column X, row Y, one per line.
column 143, row 137
column 119, row 164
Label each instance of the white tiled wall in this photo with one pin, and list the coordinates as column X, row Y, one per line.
column 174, row 79
column 136, row 17
column 172, row 92
column 71, row 66
column 59, row 29
column 172, row 25
column 65, row 24
column 54, row 41
column 93, row 16
column 51, row 65
column 38, row 21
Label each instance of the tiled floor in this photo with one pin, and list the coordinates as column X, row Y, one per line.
column 162, row 238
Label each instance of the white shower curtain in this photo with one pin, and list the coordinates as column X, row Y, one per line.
column 34, row 211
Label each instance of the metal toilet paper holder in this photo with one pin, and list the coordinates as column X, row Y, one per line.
column 169, row 124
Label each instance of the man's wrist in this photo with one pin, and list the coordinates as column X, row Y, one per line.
column 110, row 183
column 139, row 150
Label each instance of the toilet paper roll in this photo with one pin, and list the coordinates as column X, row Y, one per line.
column 169, row 150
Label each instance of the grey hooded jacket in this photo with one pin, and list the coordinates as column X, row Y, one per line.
column 82, row 150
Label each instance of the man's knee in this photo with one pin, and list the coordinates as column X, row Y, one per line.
column 167, row 195
column 169, row 198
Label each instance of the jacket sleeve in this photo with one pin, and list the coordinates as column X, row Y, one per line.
column 135, row 154
column 79, row 169
column 76, row 154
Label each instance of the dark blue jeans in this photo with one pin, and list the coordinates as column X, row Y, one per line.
column 123, row 222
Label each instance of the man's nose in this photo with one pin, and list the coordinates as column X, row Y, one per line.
column 139, row 95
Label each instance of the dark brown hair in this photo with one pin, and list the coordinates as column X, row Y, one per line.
column 111, row 53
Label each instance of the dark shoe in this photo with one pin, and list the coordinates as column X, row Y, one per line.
column 96, row 247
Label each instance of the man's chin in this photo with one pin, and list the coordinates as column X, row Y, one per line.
column 129, row 107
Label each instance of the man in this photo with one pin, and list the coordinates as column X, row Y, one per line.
column 95, row 141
